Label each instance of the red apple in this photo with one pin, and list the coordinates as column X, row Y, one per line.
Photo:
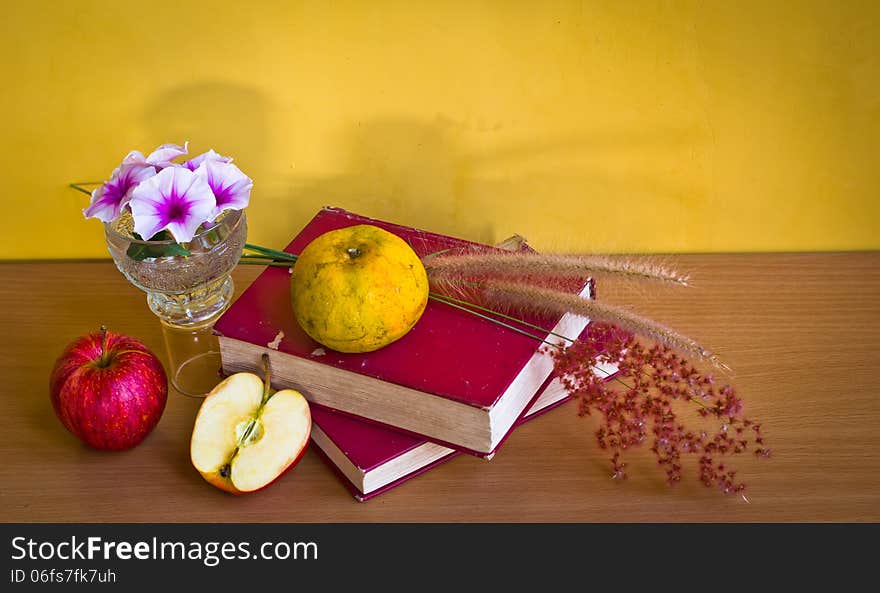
column 109, row 390
column 245, row 436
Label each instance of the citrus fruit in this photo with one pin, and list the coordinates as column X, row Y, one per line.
column 358, row 288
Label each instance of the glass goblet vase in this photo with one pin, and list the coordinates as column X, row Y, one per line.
column 187, row 292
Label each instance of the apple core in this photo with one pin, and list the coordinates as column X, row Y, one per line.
column 248, row 432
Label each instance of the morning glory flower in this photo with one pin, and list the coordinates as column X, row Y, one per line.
column 159, row 158
column 231, row 187
column 195, row 162
column 176, row 200
column 109, row 199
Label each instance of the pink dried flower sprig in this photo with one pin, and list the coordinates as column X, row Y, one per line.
column 638, row 406
column 171, row 200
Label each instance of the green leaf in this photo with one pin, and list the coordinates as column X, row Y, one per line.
column 140, row 252
column 176, row 249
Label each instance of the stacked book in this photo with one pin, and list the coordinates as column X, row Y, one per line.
column 456, row 383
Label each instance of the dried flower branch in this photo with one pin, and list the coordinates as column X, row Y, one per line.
column 547, row 301
column 526, row 264
column 654, row 379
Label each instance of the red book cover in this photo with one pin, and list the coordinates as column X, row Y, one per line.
column 371, row 459
column 450, row 362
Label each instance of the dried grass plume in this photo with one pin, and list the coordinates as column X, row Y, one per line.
column 547, row 301
column 526, row 264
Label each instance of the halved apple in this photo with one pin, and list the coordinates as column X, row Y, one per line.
column 245, row 436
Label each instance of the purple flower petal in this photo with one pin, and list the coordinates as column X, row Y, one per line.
column 175, row 199
column 163, row 155
column 231, row 187
column 135, row 157
column 195, row 162
column 109, row 199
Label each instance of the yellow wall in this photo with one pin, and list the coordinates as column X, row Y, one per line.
column 610, row 126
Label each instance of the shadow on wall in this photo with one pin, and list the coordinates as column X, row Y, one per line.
column 396, row 170
column 423, row 174
column 231, row 119
column 426, row 173
column 403, row 171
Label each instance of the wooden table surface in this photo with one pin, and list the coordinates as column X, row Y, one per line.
column 800, row 331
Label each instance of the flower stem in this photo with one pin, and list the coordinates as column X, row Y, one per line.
column 256, row 262
column 271, row 252
column 503, row 316
column 443, row 299
column 260, row 257
column 463, row 305
column 79, row 186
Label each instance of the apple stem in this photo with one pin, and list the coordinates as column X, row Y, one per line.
column 267, row 380
column 103, row 361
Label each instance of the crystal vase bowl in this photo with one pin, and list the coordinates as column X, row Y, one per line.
column 187, row 292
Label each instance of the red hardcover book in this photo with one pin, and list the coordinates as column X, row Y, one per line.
column 371, row 459
column 453, row 379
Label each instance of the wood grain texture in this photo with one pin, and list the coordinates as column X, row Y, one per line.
column 800, row 330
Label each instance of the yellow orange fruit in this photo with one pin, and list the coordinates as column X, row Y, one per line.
column 358, row 288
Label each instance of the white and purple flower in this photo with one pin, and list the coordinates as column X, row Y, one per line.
column 160, row 158
column 110, row 198
column 176, row 200
column 195, row 162
column 230, row 186
column 167, row 196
